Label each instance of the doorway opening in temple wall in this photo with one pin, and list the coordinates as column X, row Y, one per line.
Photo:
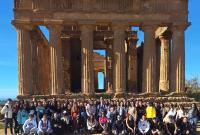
column 101, row 80
column 99, row 65
column 44, row 31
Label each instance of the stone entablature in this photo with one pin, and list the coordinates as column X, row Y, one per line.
column 120, row 6
column 132, row 11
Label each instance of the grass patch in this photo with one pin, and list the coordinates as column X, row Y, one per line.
column 1, row 125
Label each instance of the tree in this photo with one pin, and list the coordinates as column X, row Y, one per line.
column 193, row 83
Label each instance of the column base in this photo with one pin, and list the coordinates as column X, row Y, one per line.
column 89, row 94
column 119, row 95
column 177, row 94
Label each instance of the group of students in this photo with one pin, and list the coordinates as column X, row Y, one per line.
column 105, row 116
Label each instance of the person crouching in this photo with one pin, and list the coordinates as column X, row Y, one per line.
column 56, row 124
column 30, row 125
column 44, row 126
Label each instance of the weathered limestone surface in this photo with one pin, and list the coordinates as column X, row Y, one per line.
column 119, row 75
column 77, row 27
column 164, row 63
column 178, row 58
column 86, row 59
column 149, row 59
column 132, row 65
column 56, row 61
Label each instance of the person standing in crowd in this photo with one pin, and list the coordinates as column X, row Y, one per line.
column 111, row 115
column 172, row 111
column 193, row 115
column 75, row 117
column 22, row 116
column 140, row 110
column 7, row 111
column 16, row 107
column 40, row 111
column 150, row 111
column 44, row 126
column 181, row 113
column 30, row 125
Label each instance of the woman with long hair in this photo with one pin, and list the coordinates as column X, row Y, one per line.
column 74, row 115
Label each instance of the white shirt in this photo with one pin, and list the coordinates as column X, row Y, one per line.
column 7, row 111
column 29, row 124
column 180, row 114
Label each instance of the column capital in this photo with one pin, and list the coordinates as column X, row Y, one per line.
column 120, row 26
column 177, row 26
column 55, row 28
column 89, row 25
column 149, row 26
column 20, row 26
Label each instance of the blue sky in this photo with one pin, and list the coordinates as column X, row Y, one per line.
column 8, row 47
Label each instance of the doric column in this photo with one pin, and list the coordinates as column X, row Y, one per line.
column 164, row 63
column 119, row 65
column 132, row 65
column 177, row 74
column 87, row 79
column 149, row 59
column 109, row 68
column 24, row 59
column 56, row 76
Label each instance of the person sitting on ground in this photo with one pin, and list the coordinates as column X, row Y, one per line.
column 56, row 124
column 66, row 122
column 185, row 127
column 143, row 126
column 131, row 125
column 118, row 126
column 170, row 125
column 103, row 121
column 92, row 124
column 155, row 127
column 44, row 126
column 30, row 125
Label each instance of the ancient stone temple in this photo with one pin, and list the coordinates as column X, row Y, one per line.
column 65, row 63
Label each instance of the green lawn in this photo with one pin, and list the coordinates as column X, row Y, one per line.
column 1, row 125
